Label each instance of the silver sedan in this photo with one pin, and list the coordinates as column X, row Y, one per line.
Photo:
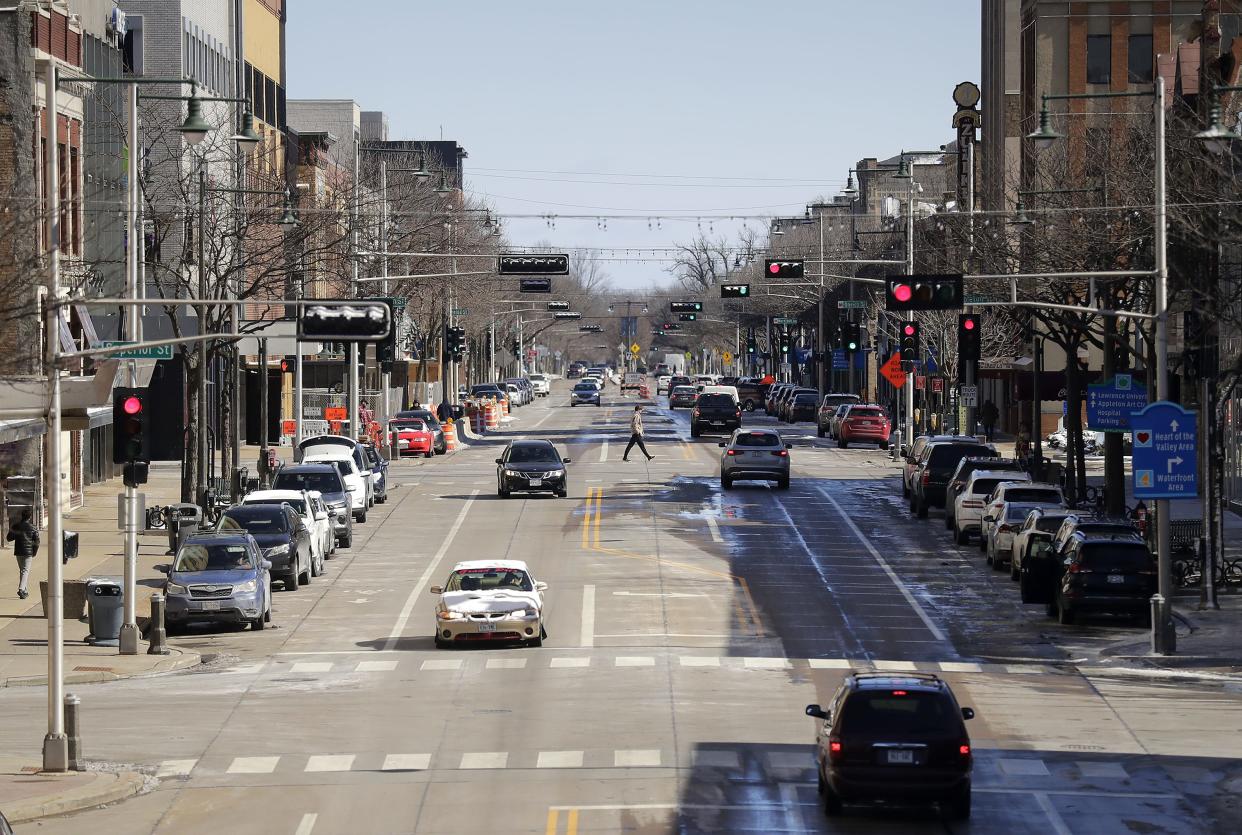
column 758, row 454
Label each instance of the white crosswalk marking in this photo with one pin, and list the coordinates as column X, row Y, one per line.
column 895, row 666
column 375, row 666
column 441, row 664
column 716, row 759
column 311, row 667
column 765, row 663
column 829, row 663
column 570, row 662
column 636, row 758
column 1108, row 771
column 1023, row 768
column 700, row 661
column 407, row 762
column 175, row 768
column 789, row 760
column 635, row 661
column 253, row 765
column 330, row 762
column 485, row 759
column 506, row 663
column 960, row 667
column 559, row 759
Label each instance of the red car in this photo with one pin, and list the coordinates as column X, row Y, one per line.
column 412, row 436
column 866, row 424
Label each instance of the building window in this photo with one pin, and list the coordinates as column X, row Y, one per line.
column 1141, row 59
column 1099, row 59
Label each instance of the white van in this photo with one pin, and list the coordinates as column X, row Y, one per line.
column 357, row 482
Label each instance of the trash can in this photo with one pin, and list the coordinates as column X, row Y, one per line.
column 184, row 519
column 105, row 606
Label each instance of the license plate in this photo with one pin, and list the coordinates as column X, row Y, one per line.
column 1116, row 578
column 487, row 627
column 536, row 482
column 901, row 757
column 209, row 606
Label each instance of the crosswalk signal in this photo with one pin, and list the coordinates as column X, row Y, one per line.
column 969, row 336
column 909, row 341
column 852, row 337
column 129, row 426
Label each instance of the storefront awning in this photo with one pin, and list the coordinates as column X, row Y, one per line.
column 12, row 431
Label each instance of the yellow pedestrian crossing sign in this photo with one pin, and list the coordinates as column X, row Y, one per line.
column 634, row 349
column 727, row 357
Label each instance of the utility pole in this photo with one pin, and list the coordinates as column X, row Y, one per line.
column 203, row 444
column 351, row 352
column 128, row 639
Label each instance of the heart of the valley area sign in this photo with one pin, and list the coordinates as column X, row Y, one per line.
column 1165, row 441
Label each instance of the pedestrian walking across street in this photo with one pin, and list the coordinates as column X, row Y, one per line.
column 636, row 435
column 25, row 538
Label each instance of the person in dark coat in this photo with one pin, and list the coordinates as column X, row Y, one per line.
column 988, row 415
column 25, row 538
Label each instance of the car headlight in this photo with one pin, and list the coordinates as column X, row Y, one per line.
column 511, row 472
column 175, row 588
column 277, row 551
column 449, row 615
column 247, row 586
column 555, row 473
column 524, row 613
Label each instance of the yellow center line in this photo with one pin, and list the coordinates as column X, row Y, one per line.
column 571, row 823
column 553, row 821
column 599, row 512
column 686, row 451
column 586, row 518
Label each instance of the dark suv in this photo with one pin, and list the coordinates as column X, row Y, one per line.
column 1104, row 574
column 957, row 481
column 715, row 413
column 936, row 466
column 895, row 737
column 327, row 480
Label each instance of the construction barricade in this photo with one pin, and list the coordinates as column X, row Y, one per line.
column 491, row 414
column 450, row 436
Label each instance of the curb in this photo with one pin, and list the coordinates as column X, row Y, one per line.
column 107, row 787
column 176, row 660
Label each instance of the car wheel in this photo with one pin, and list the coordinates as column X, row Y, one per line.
column 948, row 522
column 257, row 624
column 1050, row 607
column 958, row 806
column 832, row 802
column 429, row 454
column 749, row 406
column 291, row 581
column 983, row 541
column 997, row 563
column 1013, row 571
column 883, row 444
column 783, row 484
column 905, row 488
column 725, row 483
column 305, row 576
column 440, row 642
column 361, row 517
column 843, row 443
column 920, row 510
column 560, row 494
column 535, row 642
column 347, row 541
column 694, row 432
column 1025, row 593
column 960, row 536
column 819, row 432
column 504, row 494
column 1065, row 615
column 316, row 568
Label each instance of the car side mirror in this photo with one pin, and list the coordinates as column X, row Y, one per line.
column 540, row 585
column 817, row 712
column 266, row 565
column 332, row 512
column 436, row 590
column 164, row 568
column 968, row 713
column 566, row 460
column 989, row 518
column 500, row 461
column 721, row 445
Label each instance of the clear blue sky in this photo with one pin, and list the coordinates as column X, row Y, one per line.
column 656, row 108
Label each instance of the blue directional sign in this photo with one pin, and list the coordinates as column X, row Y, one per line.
column 1110, row 403
column 1165, row 462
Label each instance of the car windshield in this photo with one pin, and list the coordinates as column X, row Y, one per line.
column 297, row 504
column 533, row 453
column 1106, row 556
column 489, row 579
column 896, row 712
column 682, row 391
column 715, row 400
column 757, row 439
column 421, row 414
column 984, row 486
column 212, row 557
column 806, row 399
column 1033, row 494
column 321, row 481
column 946, row 456
column 256, row 518
column 1049, row 524
column 865, row 413
column 409, row 425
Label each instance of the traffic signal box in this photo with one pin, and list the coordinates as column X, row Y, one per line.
column 852, row 337
column 752, row 347
column 779, row 268
column 685, row 307
column 969, row 332
column 130, row 444
column 923, row 292
column 734, row 291
column 455, row 342
column 909, row 341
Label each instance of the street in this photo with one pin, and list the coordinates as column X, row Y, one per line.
column 686, row 631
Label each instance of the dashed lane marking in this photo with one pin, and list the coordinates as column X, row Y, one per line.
column 253, row 765
column 559, row 759
column 407, row 762
column 330, row 762
column 484, row 759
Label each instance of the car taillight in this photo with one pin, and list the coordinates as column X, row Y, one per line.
column 926, row 478
column 963, row 750
column 783, row 453
column 1076, row 568
column 834, row 749
column 730, row 452
column 739, row 412
column 696, row 412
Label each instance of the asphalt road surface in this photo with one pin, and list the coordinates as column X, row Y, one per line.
column 687, row 629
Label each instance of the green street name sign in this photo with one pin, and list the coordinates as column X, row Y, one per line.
column 159, row 352
column 461, row 311
column 780, row 320
column 978, row 298
column 851, row 304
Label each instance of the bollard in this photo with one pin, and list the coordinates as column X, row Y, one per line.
column 73, row 729
column 1163, row 635
column 156, row 634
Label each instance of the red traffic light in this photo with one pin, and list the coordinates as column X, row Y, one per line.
column 968, row 324
column 132, row 405
column 902, row 292
column 774, row 268
column 910, row 330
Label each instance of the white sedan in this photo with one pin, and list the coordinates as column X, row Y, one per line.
column 314, row 515
column 490, row 600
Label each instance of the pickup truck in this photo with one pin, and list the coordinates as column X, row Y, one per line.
column 751, row 394
column 715, row 413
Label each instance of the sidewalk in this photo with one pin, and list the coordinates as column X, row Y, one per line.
column 23, row 626
column 26, row 794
